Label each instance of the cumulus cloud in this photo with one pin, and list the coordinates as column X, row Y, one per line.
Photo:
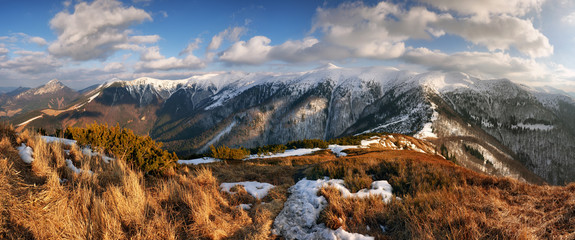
column 151, row 53
column 153, row 60
column 144, row 39
column 94, row 30
column 114, row 67
column 483, row 64
column 357, row 30
column 484, row 8
column 254, row 51
column 500, row 33
column 191, row 47
column 38, row 40
column 230, row 34
column 28, row 62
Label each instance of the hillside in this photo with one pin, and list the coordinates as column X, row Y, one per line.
column 517, row 130
column 390, row 187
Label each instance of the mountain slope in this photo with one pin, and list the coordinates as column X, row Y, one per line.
column 52, row 95
column 492, row 126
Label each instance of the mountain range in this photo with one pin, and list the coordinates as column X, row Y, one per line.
column 493, row 126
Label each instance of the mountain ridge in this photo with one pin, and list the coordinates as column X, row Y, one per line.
column 252, row 109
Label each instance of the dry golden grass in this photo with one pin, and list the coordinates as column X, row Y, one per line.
column 439, row 200
column 47, row 200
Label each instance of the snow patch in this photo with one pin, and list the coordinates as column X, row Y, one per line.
column 534, row 127
column 29, row 120
column 50, row 139
column 297, row 220
column 257, row 189
column 427, row 130
column 25, row 153
column 76, row 170
column 197, row 161
column 217, row 137
column 338, row 149
column 287, row 153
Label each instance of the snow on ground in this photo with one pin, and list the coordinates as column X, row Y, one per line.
column 427, row 130
column 86, row 151
column 338, row 149
column 217, row 137
column 257, row 189
column 245, row 206
column 29, row 120
column 25, row 153
column 71, row 166
column 534, row 127
column 287, row 153
column 199, row 161
column 297, row 220
column 50, row 139
column 368, row 142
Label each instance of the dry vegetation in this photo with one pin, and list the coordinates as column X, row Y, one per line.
column 438, row 199
column 47, row 200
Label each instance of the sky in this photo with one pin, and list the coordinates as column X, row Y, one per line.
column 83, row 43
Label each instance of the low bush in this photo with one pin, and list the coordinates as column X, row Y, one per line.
column 269, row 149
column 307, row 143
column 139, row 151
column 226, row 153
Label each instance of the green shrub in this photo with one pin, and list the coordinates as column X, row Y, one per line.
column 307, row 143
column 269, row 149
column 140, row 151
column 226, row 153
column 474, row 152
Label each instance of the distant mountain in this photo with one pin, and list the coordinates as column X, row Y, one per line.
column 492, row 126
column 52, row 95
column 7, row 89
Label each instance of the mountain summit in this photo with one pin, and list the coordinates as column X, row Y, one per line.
column 52, row 86
column 493, row 126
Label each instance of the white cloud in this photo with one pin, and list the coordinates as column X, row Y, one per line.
column 172, row 63
column 191, row 47
column 144, row 39
column 569, row 19
column 499, row 33
column 484, row 8
column 230, row 34
column 38, row 40
column 3, row 50
column 29, row 62
column 482, row 64
column 94, row 30
column 254, row 51
column 153, row 60
column 151, row 53
column 356, row 30
column 114, row 67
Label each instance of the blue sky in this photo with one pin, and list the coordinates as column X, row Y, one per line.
column 83, row 43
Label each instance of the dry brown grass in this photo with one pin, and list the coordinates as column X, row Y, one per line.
column 46, row 200
column 440, row 200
